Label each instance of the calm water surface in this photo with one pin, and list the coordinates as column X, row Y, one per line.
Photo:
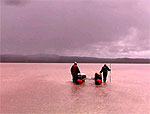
column 46, row 88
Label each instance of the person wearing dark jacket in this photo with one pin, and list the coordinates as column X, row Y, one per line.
column 74, row 71
column 105, row 70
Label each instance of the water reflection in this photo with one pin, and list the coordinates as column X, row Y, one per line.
column 77, row 98
column 76, row 89
column 33, row 93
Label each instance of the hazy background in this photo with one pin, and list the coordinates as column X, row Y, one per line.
column 93, row 28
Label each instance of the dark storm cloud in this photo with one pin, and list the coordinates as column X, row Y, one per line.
column 14, row 2
column 89, row 28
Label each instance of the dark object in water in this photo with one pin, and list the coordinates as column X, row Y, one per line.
column 80, row 78
column 98, row 78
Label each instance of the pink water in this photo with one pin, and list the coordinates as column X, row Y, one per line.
column 46, row 88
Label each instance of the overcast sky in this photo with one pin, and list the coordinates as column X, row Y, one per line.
column 95, row 28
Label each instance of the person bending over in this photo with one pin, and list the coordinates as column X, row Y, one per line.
column 74, row 71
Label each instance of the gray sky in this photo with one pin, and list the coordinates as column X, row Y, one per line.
column 96, row 28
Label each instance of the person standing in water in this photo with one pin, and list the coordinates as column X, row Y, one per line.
column 74, row 71
column 105, row 70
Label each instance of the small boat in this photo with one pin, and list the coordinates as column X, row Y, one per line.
column 98, row 78
column 80, row 78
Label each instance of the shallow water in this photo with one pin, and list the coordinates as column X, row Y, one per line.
column 46, row 88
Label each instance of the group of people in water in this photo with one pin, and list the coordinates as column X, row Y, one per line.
column 75, row 71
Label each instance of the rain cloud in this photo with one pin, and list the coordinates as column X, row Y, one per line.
column 95, row 28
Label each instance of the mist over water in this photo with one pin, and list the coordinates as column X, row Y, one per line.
column 46, row 88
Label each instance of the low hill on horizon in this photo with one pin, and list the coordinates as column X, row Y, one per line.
column 45, row 58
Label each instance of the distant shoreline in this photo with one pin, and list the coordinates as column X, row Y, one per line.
column 85, row 62
column 42, row 58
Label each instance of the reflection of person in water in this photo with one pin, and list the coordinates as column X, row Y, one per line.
column 74, row 71
column 105, row 70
